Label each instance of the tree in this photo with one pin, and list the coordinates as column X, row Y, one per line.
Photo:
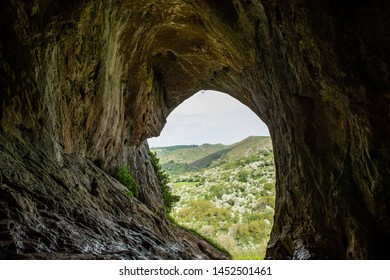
column 168, row 197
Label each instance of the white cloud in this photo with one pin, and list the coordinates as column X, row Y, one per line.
column 209, row 117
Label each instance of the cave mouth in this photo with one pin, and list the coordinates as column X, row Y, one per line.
column 219, row 157
column 90, row 81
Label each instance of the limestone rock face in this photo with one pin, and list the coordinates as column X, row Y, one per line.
column 73, row 210
column 84, row 83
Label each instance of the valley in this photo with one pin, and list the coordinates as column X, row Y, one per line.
column 227, row 193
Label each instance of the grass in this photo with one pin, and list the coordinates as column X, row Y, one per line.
column 124, row 176
column 194, row 232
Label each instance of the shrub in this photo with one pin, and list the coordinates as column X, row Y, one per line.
column 168, row 197
column 243, row 175
column 127, row 180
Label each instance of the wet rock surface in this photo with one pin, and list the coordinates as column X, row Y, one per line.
column 70, row 209
column 84, row 83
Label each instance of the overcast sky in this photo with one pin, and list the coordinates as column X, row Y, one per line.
column 209, row 117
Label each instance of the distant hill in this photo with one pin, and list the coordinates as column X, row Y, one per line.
column 227, row 192
column 178, row 159
column 249, row 146
column 186, row 154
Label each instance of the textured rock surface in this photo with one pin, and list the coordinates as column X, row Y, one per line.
column 85, row 82
column 73, row 210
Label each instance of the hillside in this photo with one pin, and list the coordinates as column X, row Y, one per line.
column 249, row 146
column 178, row 159
column 186, row 154
column 231, row 202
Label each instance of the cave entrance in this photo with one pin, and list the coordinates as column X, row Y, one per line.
column 219, row 156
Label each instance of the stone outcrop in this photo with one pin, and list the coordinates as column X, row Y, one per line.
column 71, row 209
column 83, row 84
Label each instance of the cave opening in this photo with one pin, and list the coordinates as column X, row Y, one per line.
column 219, row 157
column 97, row 79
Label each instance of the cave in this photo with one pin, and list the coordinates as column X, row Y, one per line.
column 218, row 157
column 83, row 84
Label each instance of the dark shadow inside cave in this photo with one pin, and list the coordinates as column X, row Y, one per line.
column 219, row 157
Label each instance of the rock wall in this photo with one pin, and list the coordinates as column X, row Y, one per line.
column 84, row 83
column 74, row 210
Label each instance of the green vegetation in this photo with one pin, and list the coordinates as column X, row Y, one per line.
column 177, row 160
column 169, row 198
column 186, row 154
column 127, row 180
column 211, row 241
column 231, row 203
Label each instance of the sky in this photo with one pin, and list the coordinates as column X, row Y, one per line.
column 209, row 117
